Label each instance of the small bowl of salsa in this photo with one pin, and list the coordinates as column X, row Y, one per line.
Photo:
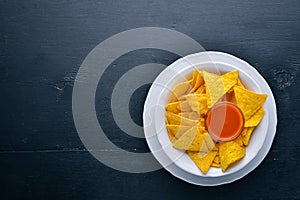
column 224, row 121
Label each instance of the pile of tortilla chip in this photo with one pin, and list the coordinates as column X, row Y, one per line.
column 185, row 118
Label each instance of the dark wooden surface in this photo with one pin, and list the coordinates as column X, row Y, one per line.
column 43, row 43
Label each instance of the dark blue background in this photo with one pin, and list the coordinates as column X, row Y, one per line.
column 42, row 44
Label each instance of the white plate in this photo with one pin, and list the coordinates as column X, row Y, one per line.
column 176, row 161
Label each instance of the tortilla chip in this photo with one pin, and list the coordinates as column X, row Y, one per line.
column 184, row 114
column 240, row 84
column 216, row 165
column 193, row 115
column 230, row 79
column 173, row 107
column 248, row 101
column 216, row 147
column 192, row 140
column 171, row 136
column 217, row 159
column 182, row 89
column 230, row 96
column 186, row 139
column 246, row 135
column 202, row 160
column 184, row 106
column 176, row 130
column 202, row 121
column 179, row 120
column 194, row 78
column 199, row 80
column 239, row 140
column 201, row 128
column 197, row 102
column 255, row 118
column 200, row 90
column 214, row 88
column 209, row 142
column 230, row 153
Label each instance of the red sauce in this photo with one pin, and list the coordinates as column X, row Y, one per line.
column 224, row 121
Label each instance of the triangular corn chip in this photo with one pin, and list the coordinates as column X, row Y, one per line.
column 216, row 165
column 214, row 88
column 217, row 159
column 177, row 130
column 248, row 101
column 184, row 106
column 191, row 115
column 230, row 79
column 171, row 136
column 199, row 80
column 191, row 140
column 194, row 78
column 230, row 96
column 173, row 107
column 200, row 90
column 209, row 142
column 255, row 118
column 230, row 153
column 178, row 120
column 240, row 84
column 182, row 89
column 197, row 102
column 202, row 160
column 246, row 134
column 239, row 140
column 184, row 114
column 194, row 116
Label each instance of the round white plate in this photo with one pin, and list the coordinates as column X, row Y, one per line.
column 177, row 162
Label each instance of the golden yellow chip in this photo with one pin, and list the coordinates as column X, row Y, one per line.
column 214, row 88
column 202, row 120
column 194, row 78
column 194, row 115
column 255, row 118
column 230, row 153
column 186, row 139
column 200, row 90
column 217, row 159
column 182, row 89
column 197, row 102
column 201, row 129
column 240, row 84
column 171, row 137
column 239, row 140
column 176, row 130
column 199, row 80
column 173, row 107
column 170, row 134
column 216, row 165
column 192, row 140
column 184, row 106
column 190, row 115
column 246, row 135
column 248, row 101
column 202, row 160
column 179, row 120
column 209, row 142
column 230, row 96
column 184, row 114
column 230, row 79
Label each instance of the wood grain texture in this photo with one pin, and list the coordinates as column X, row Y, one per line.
column 43, row 43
